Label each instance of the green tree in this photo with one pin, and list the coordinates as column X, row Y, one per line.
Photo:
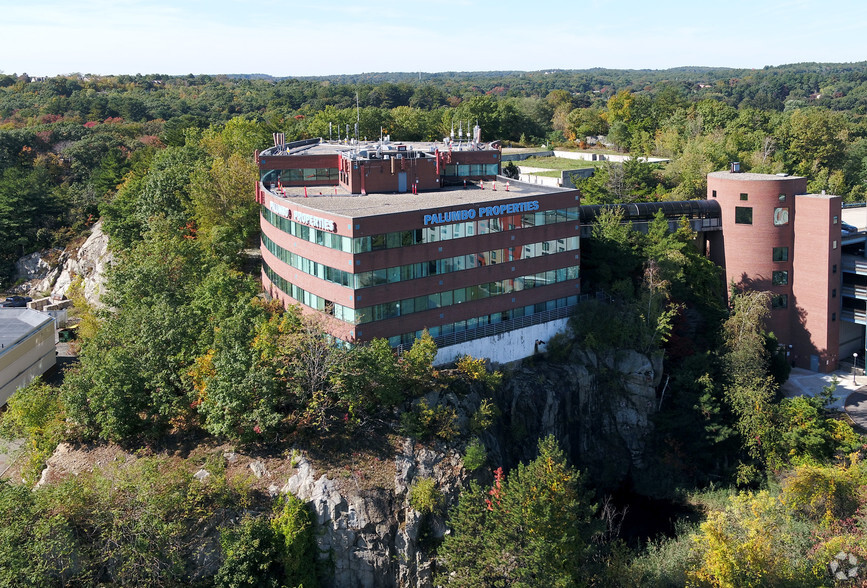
column 416, row 364
column 238, row 395
column 532, row 528
column 227, row 218
column 26, row 205
column 750, row 390
column 613, row 255
column 816, row 139
column 370, row 377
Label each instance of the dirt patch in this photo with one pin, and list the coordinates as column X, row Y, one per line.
column 71, row 460
column 360, row 460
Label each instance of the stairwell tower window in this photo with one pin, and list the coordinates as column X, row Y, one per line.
column 743, row 215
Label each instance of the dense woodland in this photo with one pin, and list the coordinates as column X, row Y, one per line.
column 185, row 346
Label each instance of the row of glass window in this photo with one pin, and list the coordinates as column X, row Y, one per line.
column 320, row 174
column 295, row 176
column 472, row 169
column 418, row 270
column 421, row 303
column 744, row 216
column 319, row 303
column 419, row 236
column 407, row 306
column 488, row 319
column 324, row 238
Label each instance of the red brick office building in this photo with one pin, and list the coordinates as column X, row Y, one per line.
column 385, row 240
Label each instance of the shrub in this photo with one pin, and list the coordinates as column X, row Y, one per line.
column 475, row 369
column 424, row 496
column 425, row 421
column 475, row 455
column 251, row 556
column 36, row 413
column 821, row 493
column 559, row 347
column 484, row 417
column 753, row 542
column 293, row 529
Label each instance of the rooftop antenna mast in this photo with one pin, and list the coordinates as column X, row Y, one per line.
column 357, row 115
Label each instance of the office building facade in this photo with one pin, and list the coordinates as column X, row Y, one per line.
column 386, row 240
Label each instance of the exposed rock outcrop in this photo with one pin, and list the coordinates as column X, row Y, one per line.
column 54, row 270
column 598, row 406
column 371, row 536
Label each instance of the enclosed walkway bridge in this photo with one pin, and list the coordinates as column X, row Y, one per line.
column 703, row 215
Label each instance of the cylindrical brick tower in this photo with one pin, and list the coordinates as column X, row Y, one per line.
column 759, row 249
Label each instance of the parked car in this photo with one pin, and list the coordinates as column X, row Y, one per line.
column 848, row 229
column 16, row 302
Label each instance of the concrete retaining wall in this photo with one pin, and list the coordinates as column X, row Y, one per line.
column 540, row 180
column 504, row 347
column 593, row 156
column 527, row 155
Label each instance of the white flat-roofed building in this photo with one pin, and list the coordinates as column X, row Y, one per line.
column 26, row 348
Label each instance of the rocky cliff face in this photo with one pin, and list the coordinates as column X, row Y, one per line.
column 54, row 270
column 597, row 405
column 374, row 537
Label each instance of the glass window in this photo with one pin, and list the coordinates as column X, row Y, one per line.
column 743, row 215
column 781, row 254
column 781, row 216
column 744, row 196
column 780, row 301
column 780, row 278
column 361, row 244
column 782, row 197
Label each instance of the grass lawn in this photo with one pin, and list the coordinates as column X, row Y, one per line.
column 556, row 163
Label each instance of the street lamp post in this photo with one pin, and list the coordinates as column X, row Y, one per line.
column 855, row 368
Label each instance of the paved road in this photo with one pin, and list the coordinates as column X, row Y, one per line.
column 856, row 407
column 851, row 393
